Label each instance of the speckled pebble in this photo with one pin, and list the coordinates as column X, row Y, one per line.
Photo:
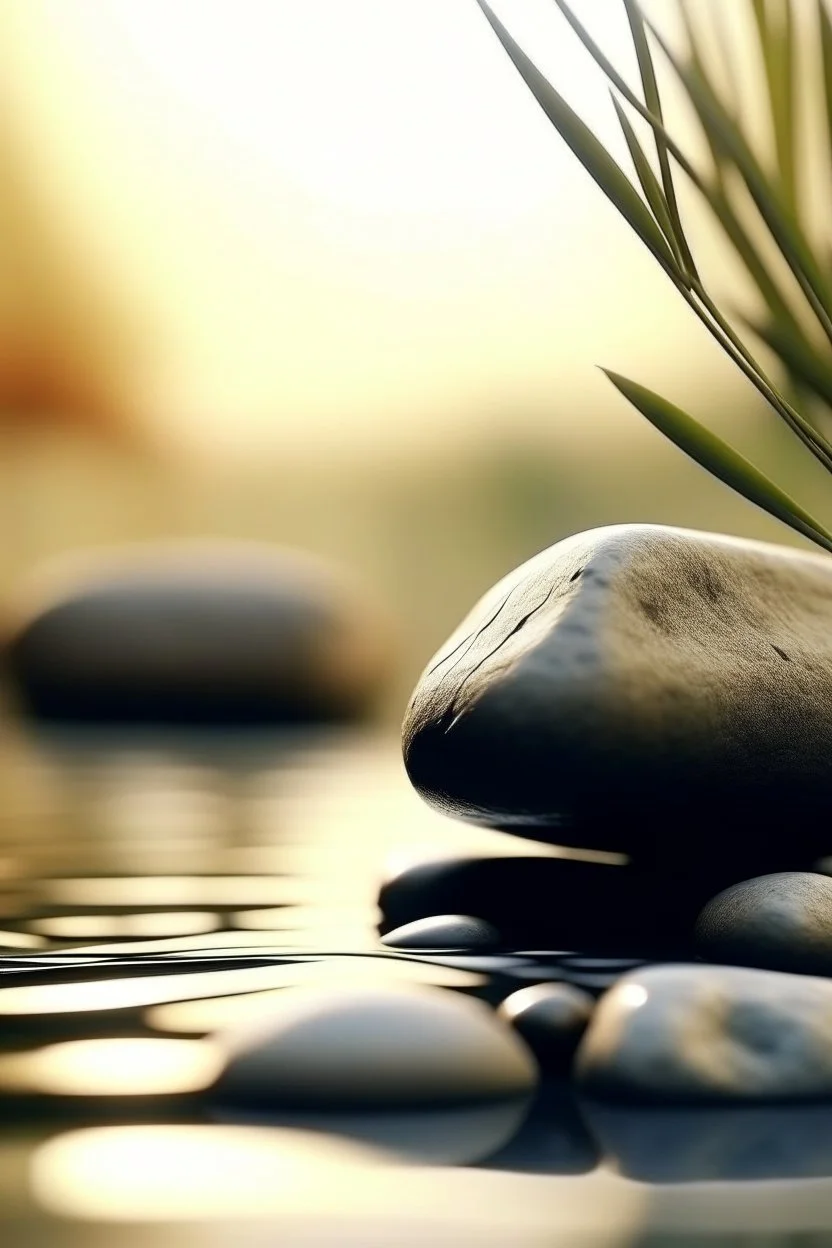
column 782, row 921
column 452, row 932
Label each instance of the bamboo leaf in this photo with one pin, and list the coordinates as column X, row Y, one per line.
column 697, row 60
column 632, row 99
column 797, row 355
column 825, row 24
column 777, row 46
column 714, row 196
column 720, row 459
column 653, row 101
column 784, row 229
column 749, row 253
column 649, row 182
column 590, row 152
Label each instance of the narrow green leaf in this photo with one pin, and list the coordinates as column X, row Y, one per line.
column 749, row 253
column 797, row 354
column 777, row 46
column 630, row 96
column 714, row 196
column 825, row 24
column 726, row 53
column 784, row 229
column 698, row 62
column 720, row 459
column 653, row 192
column 590, row 152
column 653, row 101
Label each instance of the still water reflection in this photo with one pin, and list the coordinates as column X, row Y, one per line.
column 154, row 892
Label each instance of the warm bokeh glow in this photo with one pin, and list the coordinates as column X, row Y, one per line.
column 118, row 1067
column 338, row 220
column 318, row 1189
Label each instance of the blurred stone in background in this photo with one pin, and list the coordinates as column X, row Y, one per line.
column 196, row 633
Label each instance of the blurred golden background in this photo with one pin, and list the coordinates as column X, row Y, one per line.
column 321, row 274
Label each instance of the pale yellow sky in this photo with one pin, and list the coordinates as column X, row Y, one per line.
column 343, row 221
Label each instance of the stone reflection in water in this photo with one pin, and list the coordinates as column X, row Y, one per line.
column 302, row 1187
column 160, row 1173
column 702, row 1144
column 281, row 832
column 464, row 1135
column 553, row 1139
column 166, row 923
column 16, row 941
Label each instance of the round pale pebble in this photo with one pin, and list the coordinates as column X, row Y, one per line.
column 372, row 1049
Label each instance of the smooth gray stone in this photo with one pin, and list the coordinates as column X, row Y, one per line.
column 709, row 1033
column 374, row 1049
column 457, row 932
column 781, row 921
column 193, row 633
column 551, row 1018
column 639, row 688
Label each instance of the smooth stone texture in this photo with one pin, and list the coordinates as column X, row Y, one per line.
column 705, row 1145
column 556, row 903
column 709, row 1033
column 456, row 932
column 637, row 688
column 551, row 1018
column 781, row 921
column 374, row 1049
column 195, row 633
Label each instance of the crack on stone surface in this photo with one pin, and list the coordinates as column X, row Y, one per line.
column 471, row 638
column 520, row 624
column 782, row 653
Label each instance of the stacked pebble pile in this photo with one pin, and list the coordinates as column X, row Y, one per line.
column 662, row 698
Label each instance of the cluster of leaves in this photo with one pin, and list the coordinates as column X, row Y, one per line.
column 791, row 277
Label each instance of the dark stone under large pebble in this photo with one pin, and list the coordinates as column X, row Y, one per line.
column 195, row 633
column 782, row 921
column 557, row 903
column 641, row 688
